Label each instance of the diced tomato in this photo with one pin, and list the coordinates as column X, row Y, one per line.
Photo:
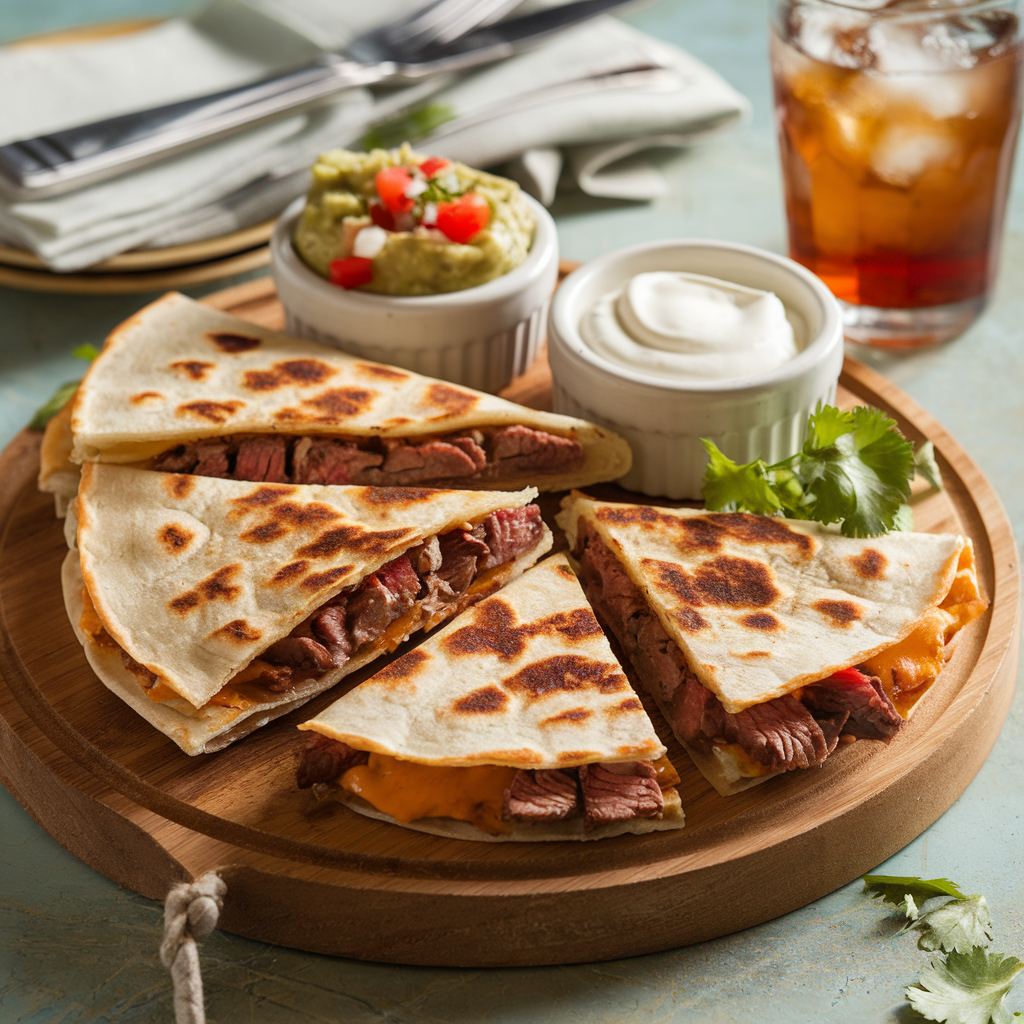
column 848, row 675
column 391, row 185
column 382, row 217
column 434, row 165
column 352, row 271
column 463, row 218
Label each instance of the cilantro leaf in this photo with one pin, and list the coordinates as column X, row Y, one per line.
column 894, row 888
column 926, row 466
column 49, row 409
column 965, row 988
column 863, row 476
column 826, row 425
column 904, row 518
column 957, row 925
column 728, row 486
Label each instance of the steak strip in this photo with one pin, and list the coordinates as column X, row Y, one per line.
column 323, row 760
column 619, row 791
column 780, row 734
column 468, row 456
column 544, row 795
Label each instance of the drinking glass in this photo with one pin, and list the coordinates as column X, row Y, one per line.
column 897, row 123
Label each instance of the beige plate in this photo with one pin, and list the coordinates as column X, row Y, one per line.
column 320, row 877
column 143, row 270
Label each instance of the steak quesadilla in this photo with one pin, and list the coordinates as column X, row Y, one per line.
column 212, row 606
column 184, row 388
column 766, row 642
column 514, row 722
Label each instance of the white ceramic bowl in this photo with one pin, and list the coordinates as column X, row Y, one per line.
column 762, row 416
column 481, row 337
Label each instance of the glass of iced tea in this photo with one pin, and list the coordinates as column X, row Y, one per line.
column 897, row 123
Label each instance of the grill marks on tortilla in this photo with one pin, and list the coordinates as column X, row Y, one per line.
column 401, row 670
column 839, row 613
column 709, row 533
column 216, row 587
column 321, row 580
column 192, row 368
column 178, row 485
column 380, row 372
column 146, row 396
column 215, row 412
column 262, row 497
column 451, row 401
column 571, row 717
column 237, row 631
column 486, row 701
column 329, row 406
column 869, row 564
column 353, row 538
column 231, row 343
column 565, row 673
column 302, row 373
column 395, row 497
column 284, row 517
column 724, row 580
column 289, row 573
column 494, row 630
column 762, row 620
column 175, row 538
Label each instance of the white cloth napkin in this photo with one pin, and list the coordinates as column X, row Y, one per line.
column 582, row 105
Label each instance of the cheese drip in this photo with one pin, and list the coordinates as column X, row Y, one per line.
column 408, row 791
column 908, row 668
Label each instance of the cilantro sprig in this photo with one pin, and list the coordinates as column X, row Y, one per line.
column 855, row 468
column 968, row 985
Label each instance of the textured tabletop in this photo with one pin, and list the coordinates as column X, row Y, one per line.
column 74, row 947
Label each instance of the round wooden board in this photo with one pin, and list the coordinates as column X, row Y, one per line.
column 318, row 877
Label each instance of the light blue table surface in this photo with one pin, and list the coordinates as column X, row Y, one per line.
column 74, row 947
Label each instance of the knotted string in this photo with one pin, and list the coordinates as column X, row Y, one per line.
column 190, row 913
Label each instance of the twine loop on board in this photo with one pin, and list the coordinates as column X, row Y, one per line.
column 190, row 913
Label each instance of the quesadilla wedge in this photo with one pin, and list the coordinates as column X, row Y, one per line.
column 514, row 722
column 185, row 388
column 212, row 606
column 767, row 642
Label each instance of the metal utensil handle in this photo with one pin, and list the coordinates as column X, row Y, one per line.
column 47, row 164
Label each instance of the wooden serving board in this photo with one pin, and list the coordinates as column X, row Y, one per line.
column 319, row 877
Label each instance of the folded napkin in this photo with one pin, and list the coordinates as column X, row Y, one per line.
column 582, row 106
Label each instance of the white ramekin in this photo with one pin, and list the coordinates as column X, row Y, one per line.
column 758, row 417
column 481, row 337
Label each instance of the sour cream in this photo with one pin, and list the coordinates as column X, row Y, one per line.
column 689, row 327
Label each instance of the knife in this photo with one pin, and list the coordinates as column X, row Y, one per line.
column 61, row 161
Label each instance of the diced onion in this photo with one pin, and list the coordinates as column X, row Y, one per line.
column 369, row 242
column 415, row 188
column 429, row 214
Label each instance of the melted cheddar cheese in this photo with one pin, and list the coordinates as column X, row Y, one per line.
column 91, row 624
column 408, row 791
column 908, row 668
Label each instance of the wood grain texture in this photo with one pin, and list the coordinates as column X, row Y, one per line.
column 318, row 877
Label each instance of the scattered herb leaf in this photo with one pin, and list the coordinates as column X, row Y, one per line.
column 85, row 351
column 957, row 925
column 965, row 988
column 855, row 469
column 57, row 401
column 894, row 888
column 408, row 126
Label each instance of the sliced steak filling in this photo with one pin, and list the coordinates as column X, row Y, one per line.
column 619, row 791
column 545, row 795
column 452, row 459
column 780, row 734
column 323, row 760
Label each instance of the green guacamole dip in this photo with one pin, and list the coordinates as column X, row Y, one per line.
column 416, row 259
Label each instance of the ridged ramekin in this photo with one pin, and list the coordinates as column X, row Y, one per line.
column 756, row 417
column 482, row 337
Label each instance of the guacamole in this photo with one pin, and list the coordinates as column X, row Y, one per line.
column 435, row 225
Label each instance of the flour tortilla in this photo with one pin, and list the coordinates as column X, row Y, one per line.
column 179, row 371
column 195, row 577
column 525, row 679
column 763, row 606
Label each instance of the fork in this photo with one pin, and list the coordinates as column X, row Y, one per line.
column 63, row 160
